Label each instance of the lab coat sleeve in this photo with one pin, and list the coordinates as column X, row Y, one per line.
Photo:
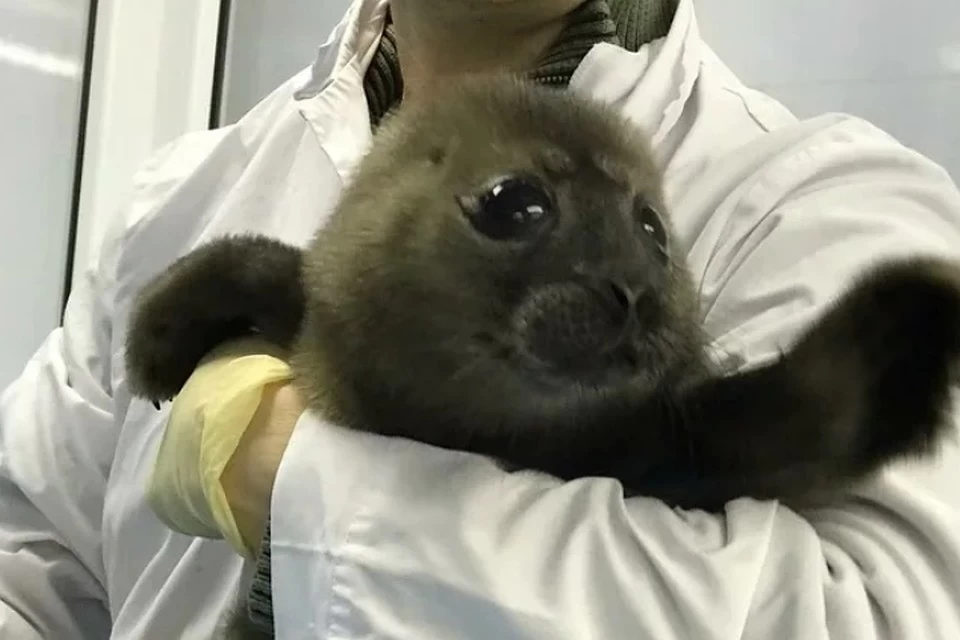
column 57, row 439
column 844, row 198
column 834, row 202
column 406, row 541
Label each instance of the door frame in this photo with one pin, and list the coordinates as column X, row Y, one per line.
column 151, row 75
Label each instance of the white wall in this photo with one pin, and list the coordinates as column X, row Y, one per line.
column 42, row 45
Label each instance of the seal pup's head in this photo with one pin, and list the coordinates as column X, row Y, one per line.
column 501, row 262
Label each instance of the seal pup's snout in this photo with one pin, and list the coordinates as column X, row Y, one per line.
column 581, row 327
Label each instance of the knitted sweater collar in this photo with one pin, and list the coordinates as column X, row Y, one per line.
column 625, row 23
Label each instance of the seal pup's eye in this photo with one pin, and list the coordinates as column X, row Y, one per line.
column 651, row 224
column 509, row 208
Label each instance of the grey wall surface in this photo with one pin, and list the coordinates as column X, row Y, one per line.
column 42, row 45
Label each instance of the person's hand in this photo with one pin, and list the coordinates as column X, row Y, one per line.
column 224, row 439
column 248, row 477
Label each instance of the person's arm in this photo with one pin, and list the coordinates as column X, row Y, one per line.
column 380, row 533
column 415, row 542
column 57, row 438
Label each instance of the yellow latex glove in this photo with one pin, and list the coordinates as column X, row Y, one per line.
column 207, row 421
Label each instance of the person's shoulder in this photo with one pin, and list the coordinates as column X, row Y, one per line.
column 182, row 158
column 739, row 149
column 179, row 189
column 756, row 127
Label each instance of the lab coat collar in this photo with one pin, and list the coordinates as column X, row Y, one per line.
column 650, row 86
column 333, row 101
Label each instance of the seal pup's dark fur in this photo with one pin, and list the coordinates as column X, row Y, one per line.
column 499, row 278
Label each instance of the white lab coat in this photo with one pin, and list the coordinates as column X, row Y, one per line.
column 383, row 538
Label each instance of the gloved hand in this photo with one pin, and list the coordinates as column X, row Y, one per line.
column 225, row 435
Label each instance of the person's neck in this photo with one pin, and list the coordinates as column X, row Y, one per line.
column 472, row 36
